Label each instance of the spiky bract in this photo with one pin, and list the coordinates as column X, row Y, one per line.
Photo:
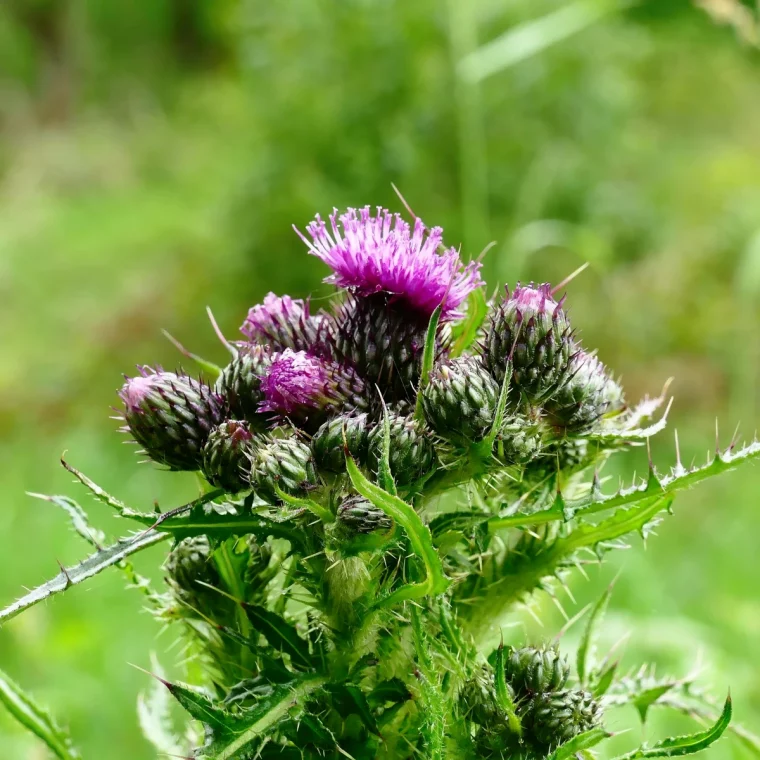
column 519, row 441
column 171, row 416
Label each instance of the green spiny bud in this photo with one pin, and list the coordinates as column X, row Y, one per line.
column 477, row 700
column 412, row 454
column 519, row 441
column 532, row 328
column 554, row 718
column 460, row 399
column 240, row 383
column 587, row 394
column 193, row 577
column 328, row 442
column 534, row 670
column 285, row 462
column 360, row 516
column 170, row 416
column 226, row 456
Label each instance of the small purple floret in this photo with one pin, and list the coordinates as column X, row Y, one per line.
column 136, row 389
column 381, row 253
column 266, row 319
column 294, row 380
column 534, row 299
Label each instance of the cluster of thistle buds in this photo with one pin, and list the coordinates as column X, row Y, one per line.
column 304, row 390
column 538, row 712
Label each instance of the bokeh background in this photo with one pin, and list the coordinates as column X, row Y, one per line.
column 154, row 155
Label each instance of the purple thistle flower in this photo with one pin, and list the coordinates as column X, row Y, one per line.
column 382, row 253
column 281, row 322
column 297, row 382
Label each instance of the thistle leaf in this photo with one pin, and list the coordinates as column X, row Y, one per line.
column 88, row 568
column 36, row 719
column 230, row 737
column 418, row 533
column 78, row 517
column 685, row 745
column 280, row 634
column 578, row 743
column 503, row 697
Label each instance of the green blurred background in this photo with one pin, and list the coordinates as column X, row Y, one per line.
column 153, row 156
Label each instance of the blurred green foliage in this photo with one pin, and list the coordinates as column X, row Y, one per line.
column 153, row 157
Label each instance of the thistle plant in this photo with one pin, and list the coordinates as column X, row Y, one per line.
column 384, row 481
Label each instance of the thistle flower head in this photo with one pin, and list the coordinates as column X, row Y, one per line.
column 382, row 253
column 298, row 382
column 281, row 322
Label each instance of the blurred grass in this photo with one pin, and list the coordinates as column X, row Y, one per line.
column 152, row 160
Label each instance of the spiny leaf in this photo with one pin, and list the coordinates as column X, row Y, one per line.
column 587, row 640
column 36, row 719
column 418, row 533
column 584, row 741
column 465, row 331
column 350, row 700
column 228, row 738
column 303, row 503
column 685, row 745
column 280, row 634
column 89, row 567
column 78, row 516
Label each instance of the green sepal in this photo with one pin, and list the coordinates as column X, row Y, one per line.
column 36, row 719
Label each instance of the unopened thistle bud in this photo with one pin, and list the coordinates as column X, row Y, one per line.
column 460, row 399
column 532, row 328
column 282, row 462
column 535, row 670
column 240, row 383
column 554, row 718
column 519, row 441
column 477, row 700
column 334, row 436
column 587, row 394
column 305, row 388
column 193, row 578
column 171, row 416
column 226, row 456
column 282, row 322
column 358, row 515
column 412, row 454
